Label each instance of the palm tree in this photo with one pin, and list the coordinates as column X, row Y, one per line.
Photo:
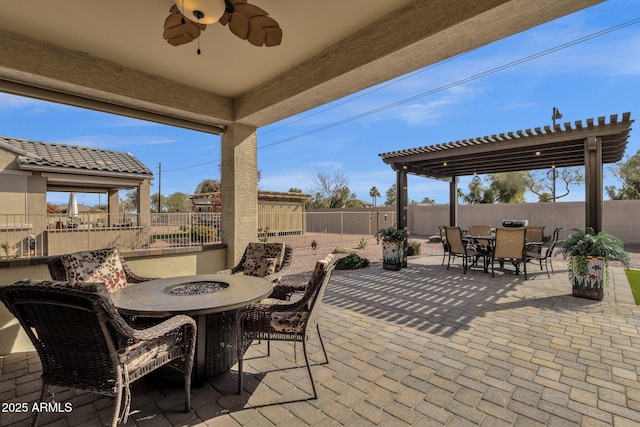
column 374, row 193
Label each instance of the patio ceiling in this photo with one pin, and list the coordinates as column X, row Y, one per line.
column 540, row 148
column 110, row 55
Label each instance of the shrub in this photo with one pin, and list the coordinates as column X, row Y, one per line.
column 362, row 243
column 413, row 248
column 203, row 234
column 352, row 262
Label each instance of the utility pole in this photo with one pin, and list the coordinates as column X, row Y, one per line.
column 159, row 184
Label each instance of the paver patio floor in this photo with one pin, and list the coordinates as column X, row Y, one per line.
column 420, row 346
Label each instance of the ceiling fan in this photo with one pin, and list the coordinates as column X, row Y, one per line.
column 188, row 18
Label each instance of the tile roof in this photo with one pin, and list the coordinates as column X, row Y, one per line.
column 33, row 154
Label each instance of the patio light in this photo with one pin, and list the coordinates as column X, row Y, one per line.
column 204, row 11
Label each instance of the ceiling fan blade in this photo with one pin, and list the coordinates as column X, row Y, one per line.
column 251, row 23
column 178, row 30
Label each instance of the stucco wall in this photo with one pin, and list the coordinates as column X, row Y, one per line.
column 621, row 218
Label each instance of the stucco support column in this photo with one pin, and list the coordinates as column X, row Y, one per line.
column 144, row 202
column 593, row 183
column 239, row 184
column 113, row 207
column 453, row 202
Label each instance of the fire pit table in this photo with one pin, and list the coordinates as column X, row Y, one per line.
column 213, row 300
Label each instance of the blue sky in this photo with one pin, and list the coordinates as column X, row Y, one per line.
column 472, row 95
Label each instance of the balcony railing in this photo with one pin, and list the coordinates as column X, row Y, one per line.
column 46, row 235
column 23, row 236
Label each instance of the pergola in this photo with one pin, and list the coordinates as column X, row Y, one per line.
column 590, row 144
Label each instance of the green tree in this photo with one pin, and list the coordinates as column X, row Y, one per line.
column 541, row 182
column 628, row 173
column 392, row 196
column 477, row 194
column 374, row 193
column 129, row 204
column 178, row 202
column 154, row 202
column 208, row 186
column 428, row 201
column 506, row 187
column 295, row 190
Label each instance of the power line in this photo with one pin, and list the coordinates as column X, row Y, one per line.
column 420, row 95
column 457, row 83
column 364, row 93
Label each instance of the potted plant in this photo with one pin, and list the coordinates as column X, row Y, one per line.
column 393, row 241
column 589, row 261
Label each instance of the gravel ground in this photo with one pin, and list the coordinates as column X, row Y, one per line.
column 304, row 259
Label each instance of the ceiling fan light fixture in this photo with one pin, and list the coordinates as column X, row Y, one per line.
column 202, row 11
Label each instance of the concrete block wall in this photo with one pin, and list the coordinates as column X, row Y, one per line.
column 621, row 217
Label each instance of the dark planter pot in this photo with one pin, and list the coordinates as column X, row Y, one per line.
column 392, row 256
column 590, row 285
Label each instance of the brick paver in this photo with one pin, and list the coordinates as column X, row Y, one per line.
column 421, row 346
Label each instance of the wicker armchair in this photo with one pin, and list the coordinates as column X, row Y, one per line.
column 458, row 248
column 276, row 320
column 259, row 250
column 510, row 245
column 58, row 270
column 83, row 343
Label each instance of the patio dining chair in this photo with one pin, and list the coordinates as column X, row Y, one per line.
column 276, row 320
column 457, row 247
column 83, row 343
column 101, row 265
column 269, row 260
column 537, row 253
column 510, row 245
column 445, row 245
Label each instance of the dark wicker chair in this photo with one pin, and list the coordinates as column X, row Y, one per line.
column 58, row 271
column 293, row 321
column 510, row 245
column 280, row 291
column 83, row 343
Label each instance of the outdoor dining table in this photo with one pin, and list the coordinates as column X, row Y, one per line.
column 491, row 238
column 213, row 300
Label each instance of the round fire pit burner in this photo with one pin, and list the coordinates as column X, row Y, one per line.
column 195, row 288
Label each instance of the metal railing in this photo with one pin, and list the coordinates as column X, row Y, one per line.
column 46, row 235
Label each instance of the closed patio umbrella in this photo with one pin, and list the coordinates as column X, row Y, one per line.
column 72, row 206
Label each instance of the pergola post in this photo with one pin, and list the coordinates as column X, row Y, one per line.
column 401, row 198
column 593, row 182
column 453, row 201
column 401, row 205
